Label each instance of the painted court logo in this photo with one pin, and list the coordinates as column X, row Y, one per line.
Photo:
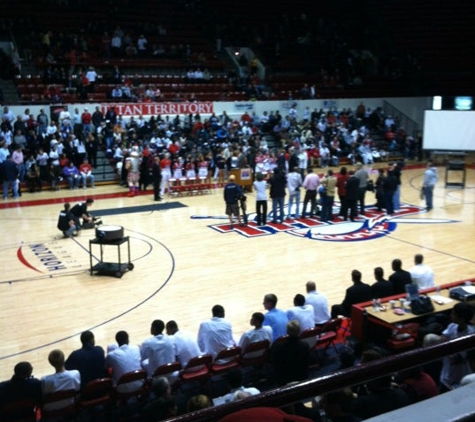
column 373, row 225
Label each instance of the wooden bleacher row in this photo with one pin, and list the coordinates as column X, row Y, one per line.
column 140, row 63
column 142, row 78
column 171, row 97
column 210, row 96
column 107, row 88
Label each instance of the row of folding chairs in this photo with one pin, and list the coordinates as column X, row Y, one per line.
column 189, row 186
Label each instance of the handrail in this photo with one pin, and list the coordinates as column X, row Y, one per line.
column 405, row 122
column 342, row 378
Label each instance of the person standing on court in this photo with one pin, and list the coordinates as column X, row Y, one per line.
column 362, row 175
column 310, row 183
column 329, row 181
column 294, row 181
column 389, row 190
column 260, row 185
column 132, row 165
column 232, row 192
column 156, row 178
column 277, row 192
column 341, row 188
column 397, row 172
column 351, row 199
column 430, row 179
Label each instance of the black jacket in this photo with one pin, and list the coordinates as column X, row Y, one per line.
column 359, row 292
column 352, row 188
column 277, row 185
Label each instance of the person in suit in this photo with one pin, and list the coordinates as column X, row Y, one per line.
column 399, row 278
column 382, row 288
column 156, row 178
column 351, row 199
column 359, row 292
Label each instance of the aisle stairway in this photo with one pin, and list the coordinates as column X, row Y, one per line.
column 104, row 173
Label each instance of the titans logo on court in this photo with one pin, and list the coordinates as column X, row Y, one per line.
column 373, row 225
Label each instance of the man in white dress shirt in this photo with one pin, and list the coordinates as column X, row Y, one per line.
column 258, row 333
column 122, row 359
column 186, row 346
column 158, row 350
column 319, row 302
column 421, row 274
column 215, row 334
column 302, row 312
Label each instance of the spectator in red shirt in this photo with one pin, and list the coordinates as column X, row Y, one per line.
column 86, row 119
column 85, row 169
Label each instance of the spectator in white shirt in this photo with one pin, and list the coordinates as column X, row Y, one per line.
column 215, row 334
column 123, row 358
column 51, row 129
column 61, row 380
column 421, row 274
column 158, row 350
column 186, row 346
column 258, row 333
column 303, row 313
column 319, row 302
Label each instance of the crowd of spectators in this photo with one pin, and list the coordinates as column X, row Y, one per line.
column 320, row 138
column 290, row 360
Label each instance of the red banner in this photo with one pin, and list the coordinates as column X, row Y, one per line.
column 153, row 109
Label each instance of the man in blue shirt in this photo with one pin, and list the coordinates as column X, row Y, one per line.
column 275, row 318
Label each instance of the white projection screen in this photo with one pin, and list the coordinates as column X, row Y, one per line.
column 449, row 130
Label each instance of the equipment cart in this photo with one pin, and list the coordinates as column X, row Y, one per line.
column 116, row 269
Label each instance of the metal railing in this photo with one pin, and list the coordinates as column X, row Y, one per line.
column 288, row 395
column 409, row 125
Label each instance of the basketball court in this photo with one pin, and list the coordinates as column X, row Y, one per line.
column 186, row 258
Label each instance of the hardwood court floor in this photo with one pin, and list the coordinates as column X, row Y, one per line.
column 187, row 260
